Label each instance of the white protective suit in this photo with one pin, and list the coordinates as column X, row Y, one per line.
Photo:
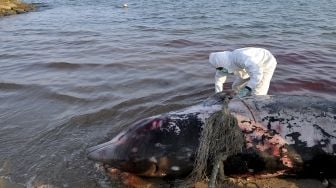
column 254, row 68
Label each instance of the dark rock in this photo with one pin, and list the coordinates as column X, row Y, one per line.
column 20, row 11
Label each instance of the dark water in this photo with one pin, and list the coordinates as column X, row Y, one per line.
column 75, row 72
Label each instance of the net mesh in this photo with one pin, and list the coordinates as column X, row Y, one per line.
column 220, row 137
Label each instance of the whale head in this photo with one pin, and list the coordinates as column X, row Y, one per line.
column 155, row 147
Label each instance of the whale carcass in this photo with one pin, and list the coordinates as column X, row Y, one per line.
column 294, row 135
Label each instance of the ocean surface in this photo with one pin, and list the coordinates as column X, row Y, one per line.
column 76, row 72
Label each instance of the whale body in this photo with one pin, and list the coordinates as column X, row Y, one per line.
column 288, row 135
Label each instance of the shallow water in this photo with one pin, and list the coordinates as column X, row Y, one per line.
column 74, row 73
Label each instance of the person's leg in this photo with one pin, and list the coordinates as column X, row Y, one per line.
column 263, row 86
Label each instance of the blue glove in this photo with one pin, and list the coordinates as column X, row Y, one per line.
column 222, row 70
column 244, row 92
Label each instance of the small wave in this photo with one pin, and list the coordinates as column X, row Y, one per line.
column 330, row 34
column 63, row 65
column 150, row 83
column 121, row 65
column 88, row 119
column 66, row 98
column 66, row 65
column 123, row 110
column 180, row 43
column 41, row 6
column 81, row 42
column 10, row 56
column 148, row 29
column 10, row 86
column 292, row 58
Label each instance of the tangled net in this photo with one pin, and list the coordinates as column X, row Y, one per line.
column 221, row 137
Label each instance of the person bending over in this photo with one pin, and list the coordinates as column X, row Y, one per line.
column 254, row 68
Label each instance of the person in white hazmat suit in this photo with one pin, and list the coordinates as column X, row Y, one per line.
column 254, row 68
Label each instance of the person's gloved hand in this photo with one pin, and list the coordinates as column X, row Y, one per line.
column 246, row 91
column 223, row 71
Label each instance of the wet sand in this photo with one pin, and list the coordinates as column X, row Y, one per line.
column 282, row 183
column 129, row 180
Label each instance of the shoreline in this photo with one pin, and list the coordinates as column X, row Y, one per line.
column 12, row 7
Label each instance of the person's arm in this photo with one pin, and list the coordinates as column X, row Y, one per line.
column 220, row 79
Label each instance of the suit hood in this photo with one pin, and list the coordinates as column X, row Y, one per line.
column 221, row 59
